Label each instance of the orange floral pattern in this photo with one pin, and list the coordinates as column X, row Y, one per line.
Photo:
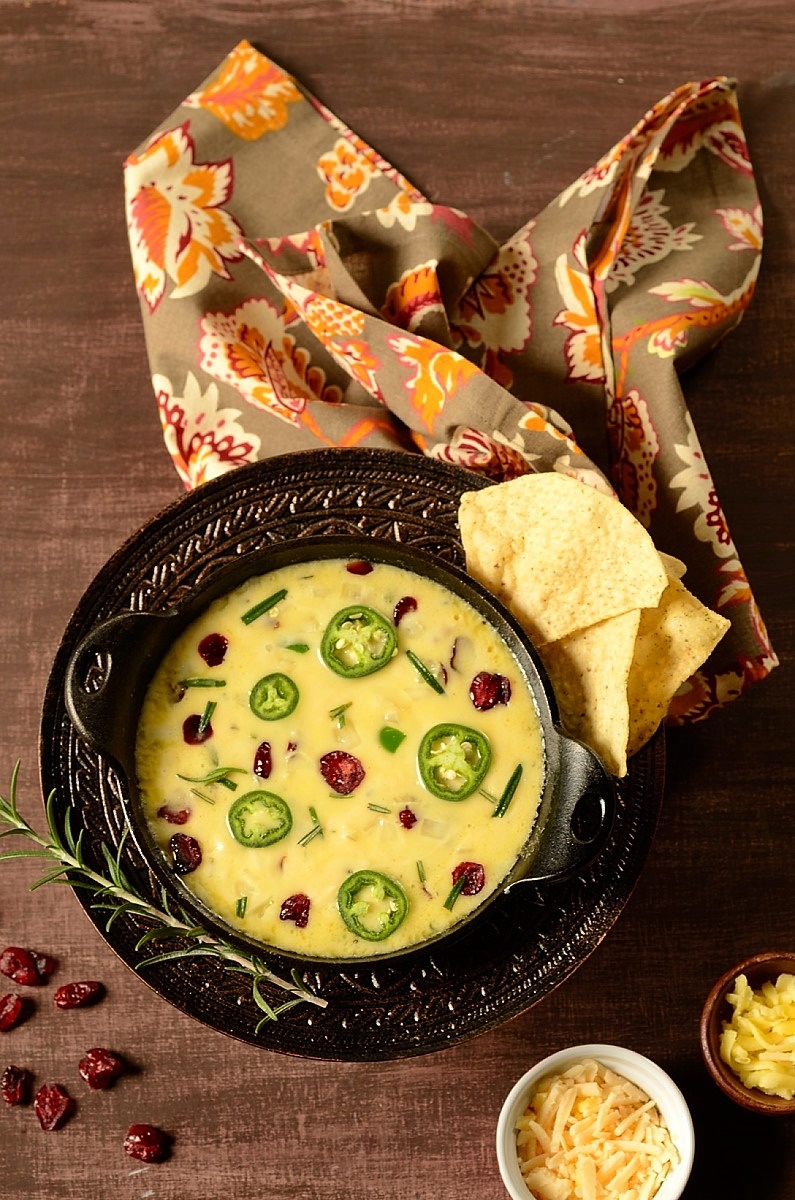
column 250, row 94
column 583, row 348
column 495, row 311
column 437, row 375
column 178, row 229
column 413, row 297
column 346, row 173
column 203, row 440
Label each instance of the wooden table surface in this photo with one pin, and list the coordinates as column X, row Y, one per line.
column 493, row 107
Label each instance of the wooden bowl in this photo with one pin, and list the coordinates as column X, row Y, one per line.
column 757, row 969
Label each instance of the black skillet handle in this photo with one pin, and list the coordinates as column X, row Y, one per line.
column 581, row 819
column 103, row 681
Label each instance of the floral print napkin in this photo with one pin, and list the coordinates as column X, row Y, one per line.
column 297, row 292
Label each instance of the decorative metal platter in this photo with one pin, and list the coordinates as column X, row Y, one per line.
column 524, row 946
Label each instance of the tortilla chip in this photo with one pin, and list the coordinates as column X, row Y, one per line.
column 674, row 567
column 589, row 672
column 673, row 641
column 560, row 554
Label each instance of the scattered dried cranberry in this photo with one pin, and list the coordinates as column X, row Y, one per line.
column 12, row 1010
column 213, row 649
column 20, row 965
column 78, row 995
column 343, row 772
column 359, row 568
column 296, row 908
column 291, row 748
column 45, row 965
column 147, row 1143
column 453, row 653
column 173, row 815
column 100, row 1068
column 474, row 877
column 187, row 853
column 263, row 763
column 487, row 690
column 53, row 1106
column 407, row 818
column 190, row 730
column 15, row 1085
column 405, row 604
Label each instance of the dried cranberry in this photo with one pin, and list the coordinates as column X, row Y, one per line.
column 53, row 1106
column 291, row 748
column 100, row 1068
column 453, row 653
column 263, row 763
column 213, row 649
column 487, row 690
column 343, row 772
column 15, row 1085
column 19, row 965
column 175, row 816
column 190, row 730
column 405, row 604
column 78, row 995
column 12, row 1010
column 359, row 568
column 147, row 1143
column 474, row 877
column 296, row 908
column 407, row 818
column 187, row 853
column 45, row 965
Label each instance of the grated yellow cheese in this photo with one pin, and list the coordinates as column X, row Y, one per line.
column 590, row 1134
column 759, row 1041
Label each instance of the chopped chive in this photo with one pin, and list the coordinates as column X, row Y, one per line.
column 201, row 795
column 307, row 838
column 338, row 713
column 298, row 648
column 205, row 717
column 200, row 682
column 391, row 738
column 422, row 670
column 378, row 808
column 420, row 871
column 217, row 775
column 229, row 784
column 263, row 606
column 507, row 796
column 338, row 796
column 240, row 907
column 455, row 892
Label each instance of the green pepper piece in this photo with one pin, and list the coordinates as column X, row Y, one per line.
column 453, row 761
column 259, row 819
column 358, row 641
column 385, row 908
column 273, row 697
column 391, row 738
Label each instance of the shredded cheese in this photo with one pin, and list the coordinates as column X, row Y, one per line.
column 590, row 1134
column 759, row 1041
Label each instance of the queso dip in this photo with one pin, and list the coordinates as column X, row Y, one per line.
column 340, row 758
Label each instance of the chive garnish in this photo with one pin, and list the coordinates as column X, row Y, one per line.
column 338, row 713
column 240, row 907
column 201, row 682
column 455, row 892
column 217, row 775
column 298, row 648
column 507, row 796
column 201, row 795
column 307, row 838
column 205, row 717
column 378, row 808
column 263, row 606
column 422, row 670
column 420, row 871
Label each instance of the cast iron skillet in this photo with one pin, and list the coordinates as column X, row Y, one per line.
column 578, row 800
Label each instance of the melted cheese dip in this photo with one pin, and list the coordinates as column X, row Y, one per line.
column 355, row 836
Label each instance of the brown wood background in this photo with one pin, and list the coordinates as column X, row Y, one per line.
column 494, row 107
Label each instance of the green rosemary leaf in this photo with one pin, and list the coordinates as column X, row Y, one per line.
column 170, row 955
column 240, row 907
column 263, row 606
column 508, row 795
column 338, row 713
column 378, row 808
column 420, row 871
column 201, row 682
column 260, row 1000
column 307, row 838
column 297, row 980
column 201, row 795
column 209, row 709
column 424, row 672
column 217, row 775
column 24, row 854
column 455, row 892
column 266, row 1020
column 488, row 795
column 48, row 878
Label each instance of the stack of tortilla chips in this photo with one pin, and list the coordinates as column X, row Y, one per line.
column 615, row 628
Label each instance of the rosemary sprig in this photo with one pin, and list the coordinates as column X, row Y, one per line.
column 338, row 714
column 115, row 894
column 424, row 672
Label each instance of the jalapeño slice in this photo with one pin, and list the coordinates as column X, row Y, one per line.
column 372, row 905
column 358, row 641
column 273, row 697
column 453, row 761
column 259, row 819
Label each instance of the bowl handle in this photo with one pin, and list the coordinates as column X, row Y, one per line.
column 580, row 822
column 101, row 687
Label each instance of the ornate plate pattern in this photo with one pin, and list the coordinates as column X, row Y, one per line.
column 525, row 945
